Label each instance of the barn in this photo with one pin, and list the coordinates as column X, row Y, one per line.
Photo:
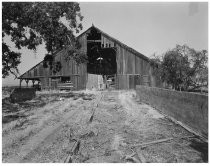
column 111, row 64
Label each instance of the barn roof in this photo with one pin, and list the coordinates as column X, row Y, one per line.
column 118, row 42
column 107, row 36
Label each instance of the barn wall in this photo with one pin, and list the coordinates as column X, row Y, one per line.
column 129, row 65
column 71, row 68
column 82, row 79
column 127, row 62
column 37, row 71
column 77, row 72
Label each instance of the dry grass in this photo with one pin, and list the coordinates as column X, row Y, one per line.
column 44, row 130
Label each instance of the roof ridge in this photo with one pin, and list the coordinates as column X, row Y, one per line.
column 122, row 44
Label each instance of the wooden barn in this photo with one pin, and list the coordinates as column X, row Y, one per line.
column 110, row 64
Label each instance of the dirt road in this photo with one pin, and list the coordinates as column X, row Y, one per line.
column 106, row 124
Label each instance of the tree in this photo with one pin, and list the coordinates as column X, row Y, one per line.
column 184, row 68
column 30, row 24
column 10, row 61
column 175, row 68
column 199, row 70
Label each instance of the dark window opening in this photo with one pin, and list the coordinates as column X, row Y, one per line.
column 101, row 61
column 66, row 79
column 94, row 35
column 101, row 56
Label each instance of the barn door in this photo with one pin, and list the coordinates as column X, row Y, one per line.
column 137, row 80
column 54, row 83
column 131, row 81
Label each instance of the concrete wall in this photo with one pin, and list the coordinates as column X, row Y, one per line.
column 189, row 108
column 22, row 94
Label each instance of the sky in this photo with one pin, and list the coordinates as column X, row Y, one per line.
column 149, row 28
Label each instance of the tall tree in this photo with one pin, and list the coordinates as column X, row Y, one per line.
column 30, row 24
column 183, row 67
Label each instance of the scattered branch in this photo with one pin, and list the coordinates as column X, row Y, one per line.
column 159, row 141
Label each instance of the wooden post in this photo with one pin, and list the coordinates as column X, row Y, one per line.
column 20, row 82
column 105, row 80
column 33, row 81
column 39, row 83
column 27, row 82
column 115, row 81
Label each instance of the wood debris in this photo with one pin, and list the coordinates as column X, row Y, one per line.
column 159, row 141
column 132, row 157
column 74, row 151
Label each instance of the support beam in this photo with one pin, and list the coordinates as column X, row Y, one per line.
column 27, row 82
column 20, row 82
column 33, row 81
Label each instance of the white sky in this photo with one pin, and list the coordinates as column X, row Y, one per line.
column 147, row 27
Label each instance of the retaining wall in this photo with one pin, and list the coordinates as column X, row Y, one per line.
column 191, row 109
column 22, row 94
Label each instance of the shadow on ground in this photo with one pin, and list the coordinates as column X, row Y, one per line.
column 202, row 147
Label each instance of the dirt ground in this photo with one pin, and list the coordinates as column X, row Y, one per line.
column 93, row 126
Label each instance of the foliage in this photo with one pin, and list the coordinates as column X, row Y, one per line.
column 183, row 67
column 10, row 61
column 155, row 62
column 32, row 23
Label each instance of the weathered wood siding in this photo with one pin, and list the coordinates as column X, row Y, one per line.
column 78, row 73
column 127, row 62
column 129, row 65
column 82, row 80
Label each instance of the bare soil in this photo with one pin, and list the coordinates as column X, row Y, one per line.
column 107, row 124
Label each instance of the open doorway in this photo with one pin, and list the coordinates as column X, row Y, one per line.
column 101, row 59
